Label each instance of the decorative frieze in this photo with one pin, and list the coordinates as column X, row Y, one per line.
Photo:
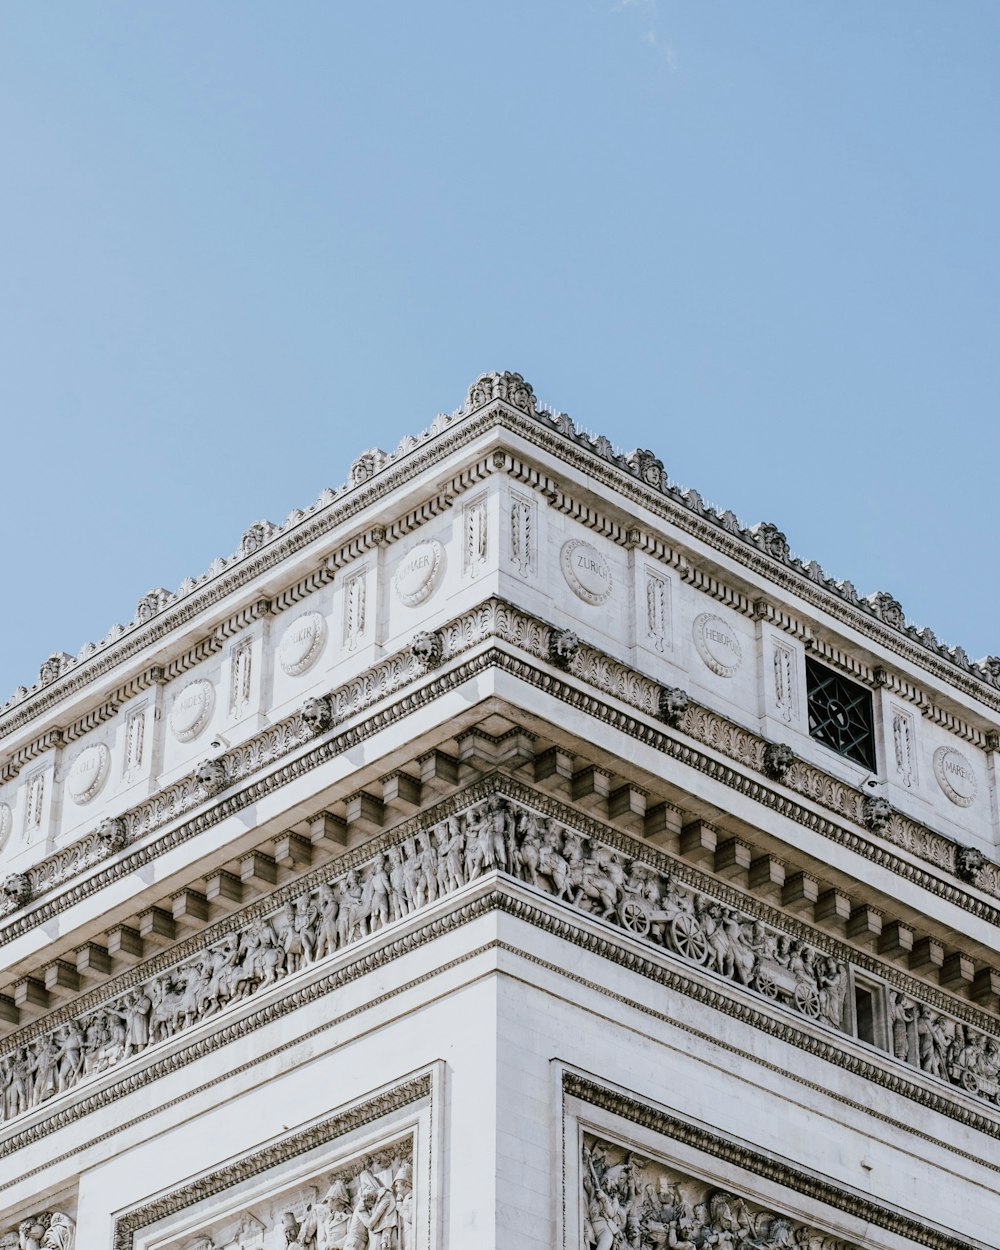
column 413, row 870
column 630, row 1200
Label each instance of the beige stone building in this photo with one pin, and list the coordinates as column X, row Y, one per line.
column 508, row 850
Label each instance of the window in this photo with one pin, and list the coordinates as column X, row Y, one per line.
column 870, row 1012
column 840, row 714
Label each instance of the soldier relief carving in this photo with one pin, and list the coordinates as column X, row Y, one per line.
column 49, row 1230
column 631, row 1202
column 408, row 874
column 366, row 1205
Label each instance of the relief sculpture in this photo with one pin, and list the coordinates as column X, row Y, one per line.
column 367, row 1205
column 49, row 1230
column 631, row 1202
column 493, row 835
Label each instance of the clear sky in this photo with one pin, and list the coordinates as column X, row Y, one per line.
column 243, row 241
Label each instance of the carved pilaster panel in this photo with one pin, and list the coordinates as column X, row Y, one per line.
column 784, row 678
column 355, row 607
column 656, row 611
column 903, row 751
column 135, row 743
column 523, row 534
column 475, row 537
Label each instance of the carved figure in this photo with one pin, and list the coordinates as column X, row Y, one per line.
column 211, row 776
column 876, row 814
column 778, row 760
column 111, row 834
column 770, row 540
column 326, row 934
column 563, row 646
column 672, row 704
column 494, row 834
column 969, row 863
column 16, row 889
column 317, row 714
column 632, row 1204
column 427, row 649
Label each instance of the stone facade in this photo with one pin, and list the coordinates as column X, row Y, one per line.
column 472, row 860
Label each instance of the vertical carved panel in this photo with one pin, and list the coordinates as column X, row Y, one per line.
column 522, row 534
column 657, row 610
column 34, row 797
column 135, row 734
column 355, row 607
column 903, row 752
column 241, row 677
column 475, row 527
column 783, row 663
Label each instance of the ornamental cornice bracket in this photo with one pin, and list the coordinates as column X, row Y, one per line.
column 469, row 477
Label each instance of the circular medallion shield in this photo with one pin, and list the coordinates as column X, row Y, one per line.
column 955, row 775
column 88, row 773
column 419, row 573
column 192, row 709
column 302, row 643
column 587, row 572
column 717, row 644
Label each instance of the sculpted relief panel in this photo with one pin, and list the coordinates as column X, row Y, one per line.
column 363, row 1205
column 631, row 1202
column 49, row 1230
column 269, row 944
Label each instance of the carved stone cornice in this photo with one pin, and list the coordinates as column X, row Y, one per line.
column 769, row 1167
column 251, row 766
column 637, row 478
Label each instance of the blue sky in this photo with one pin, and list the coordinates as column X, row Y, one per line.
column 244, row 241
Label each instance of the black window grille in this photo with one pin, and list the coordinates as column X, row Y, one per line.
column 840, row 714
